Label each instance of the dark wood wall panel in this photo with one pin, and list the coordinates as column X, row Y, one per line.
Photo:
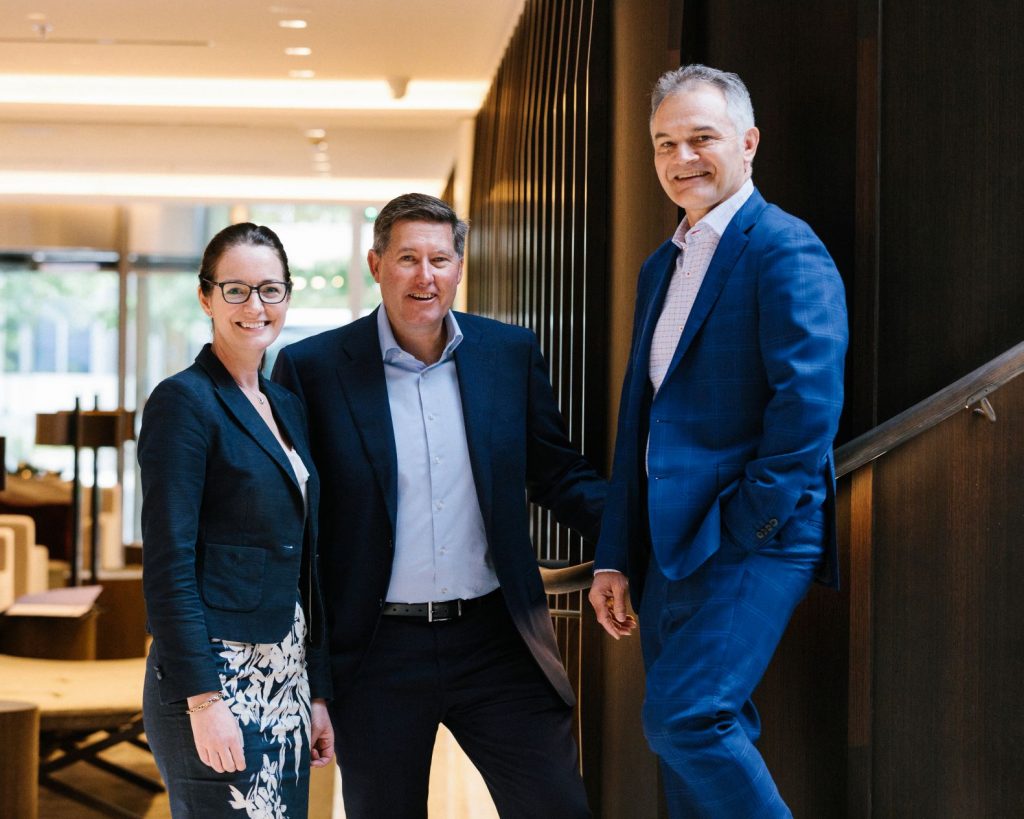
column 951, row 293
column 948, row 730
column 538, row 248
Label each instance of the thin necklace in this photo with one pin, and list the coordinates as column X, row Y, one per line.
column 257, row 395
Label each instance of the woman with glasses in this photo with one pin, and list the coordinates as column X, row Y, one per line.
column 236, row 681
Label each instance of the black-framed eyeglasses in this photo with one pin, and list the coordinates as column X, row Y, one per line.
column 240, row 292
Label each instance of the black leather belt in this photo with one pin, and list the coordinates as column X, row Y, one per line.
column 434, row 612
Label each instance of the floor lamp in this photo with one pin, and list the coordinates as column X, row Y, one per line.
column 85, row 429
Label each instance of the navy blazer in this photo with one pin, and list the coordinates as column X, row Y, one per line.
column 227, row 543
column 738, row 439
column 518, row 447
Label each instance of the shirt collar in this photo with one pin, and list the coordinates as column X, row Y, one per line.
column 391, row 351
column 717, row 219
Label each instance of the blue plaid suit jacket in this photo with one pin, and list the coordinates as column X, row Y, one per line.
column 740, row 433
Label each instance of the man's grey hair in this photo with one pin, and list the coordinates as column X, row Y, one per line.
column 737, row 98
column 417, row 207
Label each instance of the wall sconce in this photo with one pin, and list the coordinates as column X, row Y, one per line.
column 90, row 429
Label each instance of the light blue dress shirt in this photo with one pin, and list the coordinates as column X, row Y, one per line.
column 440, row 545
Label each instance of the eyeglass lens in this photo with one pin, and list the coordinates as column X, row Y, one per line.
column 238, row 292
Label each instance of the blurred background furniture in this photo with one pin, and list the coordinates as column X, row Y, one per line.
column 6, row 567
column 47, row 500
column 19, row 758
column 59, row 624
column 84, row 707
column 30, row 560
column 89, row 429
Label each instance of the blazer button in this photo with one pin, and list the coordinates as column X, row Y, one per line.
column 159, row 673
column 760, row 534
column 773, row 522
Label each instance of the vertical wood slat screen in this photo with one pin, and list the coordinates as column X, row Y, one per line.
column 537, row 248
column 538, row 244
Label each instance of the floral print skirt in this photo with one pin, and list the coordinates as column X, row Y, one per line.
column 266, row 687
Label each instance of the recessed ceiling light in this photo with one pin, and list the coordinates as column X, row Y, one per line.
column 298, row 51
column 316, row 133
column 36, row 17
column 292, row 23
column 301, row 74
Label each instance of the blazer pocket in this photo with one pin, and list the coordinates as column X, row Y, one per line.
column 233, row 577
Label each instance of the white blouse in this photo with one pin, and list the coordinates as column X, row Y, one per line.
column 299, row 468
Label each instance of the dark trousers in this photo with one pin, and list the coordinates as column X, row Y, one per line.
column 707, row 640
column 476, row 676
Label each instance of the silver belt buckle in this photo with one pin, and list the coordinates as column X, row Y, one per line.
column 430, row 612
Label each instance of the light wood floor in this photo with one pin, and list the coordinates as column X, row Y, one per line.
column 456, row 789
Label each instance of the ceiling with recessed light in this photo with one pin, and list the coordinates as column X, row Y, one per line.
column 237, row 90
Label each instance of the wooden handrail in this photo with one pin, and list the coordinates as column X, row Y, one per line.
column 863, row 449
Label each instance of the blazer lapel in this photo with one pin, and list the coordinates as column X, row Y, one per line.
column 731, row 246
column 293, row 427
column 239, row 407
column 361, row 377
column 475, row 363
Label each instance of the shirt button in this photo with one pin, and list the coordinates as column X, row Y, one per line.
column 440, row 504
column 444, row 591
column 430, row 416
column 437, row 459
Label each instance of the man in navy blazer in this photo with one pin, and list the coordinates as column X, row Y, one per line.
column 721, row 507
column 430, row 430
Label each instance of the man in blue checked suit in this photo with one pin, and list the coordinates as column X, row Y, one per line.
column 721, row 508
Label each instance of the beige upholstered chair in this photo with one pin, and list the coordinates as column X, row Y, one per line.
column 6, row 567
column 31, row 560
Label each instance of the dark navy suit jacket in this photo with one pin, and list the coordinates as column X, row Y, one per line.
column 227, row 543
column 518, row 447
column 740, row 432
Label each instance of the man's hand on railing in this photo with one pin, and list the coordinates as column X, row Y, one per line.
column 608, row 597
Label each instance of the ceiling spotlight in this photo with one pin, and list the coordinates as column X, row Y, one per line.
column 398, row 86
column 292, row 23
column 298, row 51
column 315, row 134
column 301, row 74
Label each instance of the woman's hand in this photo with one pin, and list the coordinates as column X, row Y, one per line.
column 217, row 734
column 321, row 735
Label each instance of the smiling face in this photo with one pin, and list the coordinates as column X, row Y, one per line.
column 418, row 273
column 700, row 156
column 247, row 329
